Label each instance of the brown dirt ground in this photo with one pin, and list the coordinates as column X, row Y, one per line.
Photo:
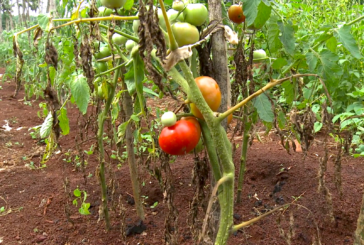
column 35, row 200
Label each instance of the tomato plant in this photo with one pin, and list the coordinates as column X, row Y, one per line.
column 236, row 14
column 185, row 33
column 210, row 91
column 180, row 138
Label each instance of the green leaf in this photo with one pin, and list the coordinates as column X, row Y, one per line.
column 264, row 108
column 287, row 37
column 52, row 74
column 317, row 126
column 63, row 121
column 273, row 34
column 288, row 91
column 330, row 69
column 46, row 127
column 331, row 44
column 139, row 78
column 80, row 92
column 279, row 63
column 250, row 11
column 256, row 13
column 129, row 79
column 149, row 91
column 135, row 118
column 44, row 22
column 311, row 60
column 282, row 122
column 84, row 209
column 347, row 39
column 77, row 193
column 129, row 4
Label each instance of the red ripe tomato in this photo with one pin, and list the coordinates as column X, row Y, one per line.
column 210, row 91
column 180, row 138
column 194, row 121
column 236, row 14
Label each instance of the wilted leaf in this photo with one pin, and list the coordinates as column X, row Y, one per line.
column 46, row 127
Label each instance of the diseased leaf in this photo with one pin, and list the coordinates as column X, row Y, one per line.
column 46, row 127
column 80, row 92
column 347, row 39
column 264, row 108
column 121, row 130
column 287, row 38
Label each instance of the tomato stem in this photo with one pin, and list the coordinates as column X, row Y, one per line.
column 172, row 40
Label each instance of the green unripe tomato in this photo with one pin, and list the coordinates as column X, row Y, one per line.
column 129, row 45
column 104, row 52
column 101, row 67
column 259, row 55
column 113, row 4
column 119, row 39
column 196, row 14
column 103, row 12
column 185, row 33
column 168, row 119
column 178, row 5
column 100, row 93
column 172, row 16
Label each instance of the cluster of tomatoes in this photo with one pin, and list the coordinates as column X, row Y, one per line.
column 181, row 137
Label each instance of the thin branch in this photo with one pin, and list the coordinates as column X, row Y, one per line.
column 270, row 85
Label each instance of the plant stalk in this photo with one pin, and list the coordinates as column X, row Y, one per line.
column 244, row 150
column 101, row 121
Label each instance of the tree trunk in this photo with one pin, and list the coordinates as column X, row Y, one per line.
column 20, row 17
column 51, row 6
column 219, row 57
column 24, row 14
column 359, row 233
column 221, row 75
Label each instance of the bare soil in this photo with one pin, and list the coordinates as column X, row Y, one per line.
column 38, row 202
